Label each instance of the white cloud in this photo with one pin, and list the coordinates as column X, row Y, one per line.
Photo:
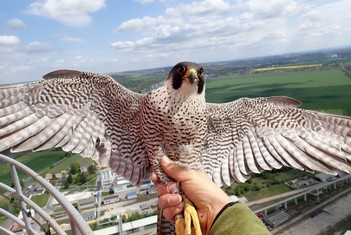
column 217, row 29
column 60, row 63
column 129, row 45
column 81, row 61
column 38, row 47
column 270, row 8
column 144, row 1
column 15, row 24
column 19, row 68
column 138, row 23
column 148, row 1
column 9, row 40
column 204, row 8
column 72, row 13
column 68, row 38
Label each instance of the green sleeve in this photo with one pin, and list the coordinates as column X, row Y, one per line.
column 238, row 219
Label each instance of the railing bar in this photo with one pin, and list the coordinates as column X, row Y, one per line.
column 8, row 232
column 18, row 188
column 37, row 209
column 6, row 187
column 16, row 220
column 73, row 214
column 45, row 216
column 12, row 217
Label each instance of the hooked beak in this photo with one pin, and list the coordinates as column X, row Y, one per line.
column 191, row 75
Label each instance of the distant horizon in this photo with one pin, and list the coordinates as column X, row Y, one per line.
column 239, row 59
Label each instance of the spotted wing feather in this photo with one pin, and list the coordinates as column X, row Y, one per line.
column 85, row 113
column 253, row 135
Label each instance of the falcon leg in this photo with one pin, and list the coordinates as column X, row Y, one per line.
column 183, row 225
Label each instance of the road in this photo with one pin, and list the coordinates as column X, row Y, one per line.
column 325, row 214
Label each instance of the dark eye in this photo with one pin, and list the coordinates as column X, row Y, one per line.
column 201, row 71
column 181, row 69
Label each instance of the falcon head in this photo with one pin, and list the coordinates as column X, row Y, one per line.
column 187, row 77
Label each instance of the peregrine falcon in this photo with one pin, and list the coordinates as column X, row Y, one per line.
column 91, row 114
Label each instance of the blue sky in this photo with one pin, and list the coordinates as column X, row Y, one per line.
column 39, row 36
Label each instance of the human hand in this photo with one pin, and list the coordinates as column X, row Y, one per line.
column 207, row 197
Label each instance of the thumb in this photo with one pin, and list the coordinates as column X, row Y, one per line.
column 175, row 171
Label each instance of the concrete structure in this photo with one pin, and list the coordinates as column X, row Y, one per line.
column 110, row 199
column 106, row 178
column 131, row 195
column 276, row 218
column 77, row 197
column 320, row 217
column 86, row 202
column 134, row 226
column 88, row 214
column 322, row 177
column 313, row 190
column 121, row 184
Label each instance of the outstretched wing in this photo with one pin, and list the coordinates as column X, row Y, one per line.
column 253, row 135
column 82, row 112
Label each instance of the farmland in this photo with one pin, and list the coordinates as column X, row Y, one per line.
column 39, row 161
column 292, row 67
column 328, row 90
column 43, row 162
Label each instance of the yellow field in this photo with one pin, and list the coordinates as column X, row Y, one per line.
column 287, row 67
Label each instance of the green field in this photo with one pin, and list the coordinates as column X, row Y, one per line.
column 42, row 199
column 328, row 90
column 267, row 192
column 64, row 165
column 38, row 162
column 43, row 162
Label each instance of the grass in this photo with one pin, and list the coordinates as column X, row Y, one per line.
column 41, row 200
column 65, row 165
column 267, row 192
column 42, row 163
column 38, row 162
column 318, row 90
column 267, row 184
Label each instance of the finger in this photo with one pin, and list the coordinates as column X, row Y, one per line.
column 154, row 178
column 171, row 212
column 169, row 200
column 163, row 188
column 175, row 171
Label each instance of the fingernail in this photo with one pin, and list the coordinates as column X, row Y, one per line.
column 165, row 160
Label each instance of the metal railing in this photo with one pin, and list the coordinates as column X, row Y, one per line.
column 78, row 225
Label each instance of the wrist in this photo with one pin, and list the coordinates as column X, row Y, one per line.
column 213, row 210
